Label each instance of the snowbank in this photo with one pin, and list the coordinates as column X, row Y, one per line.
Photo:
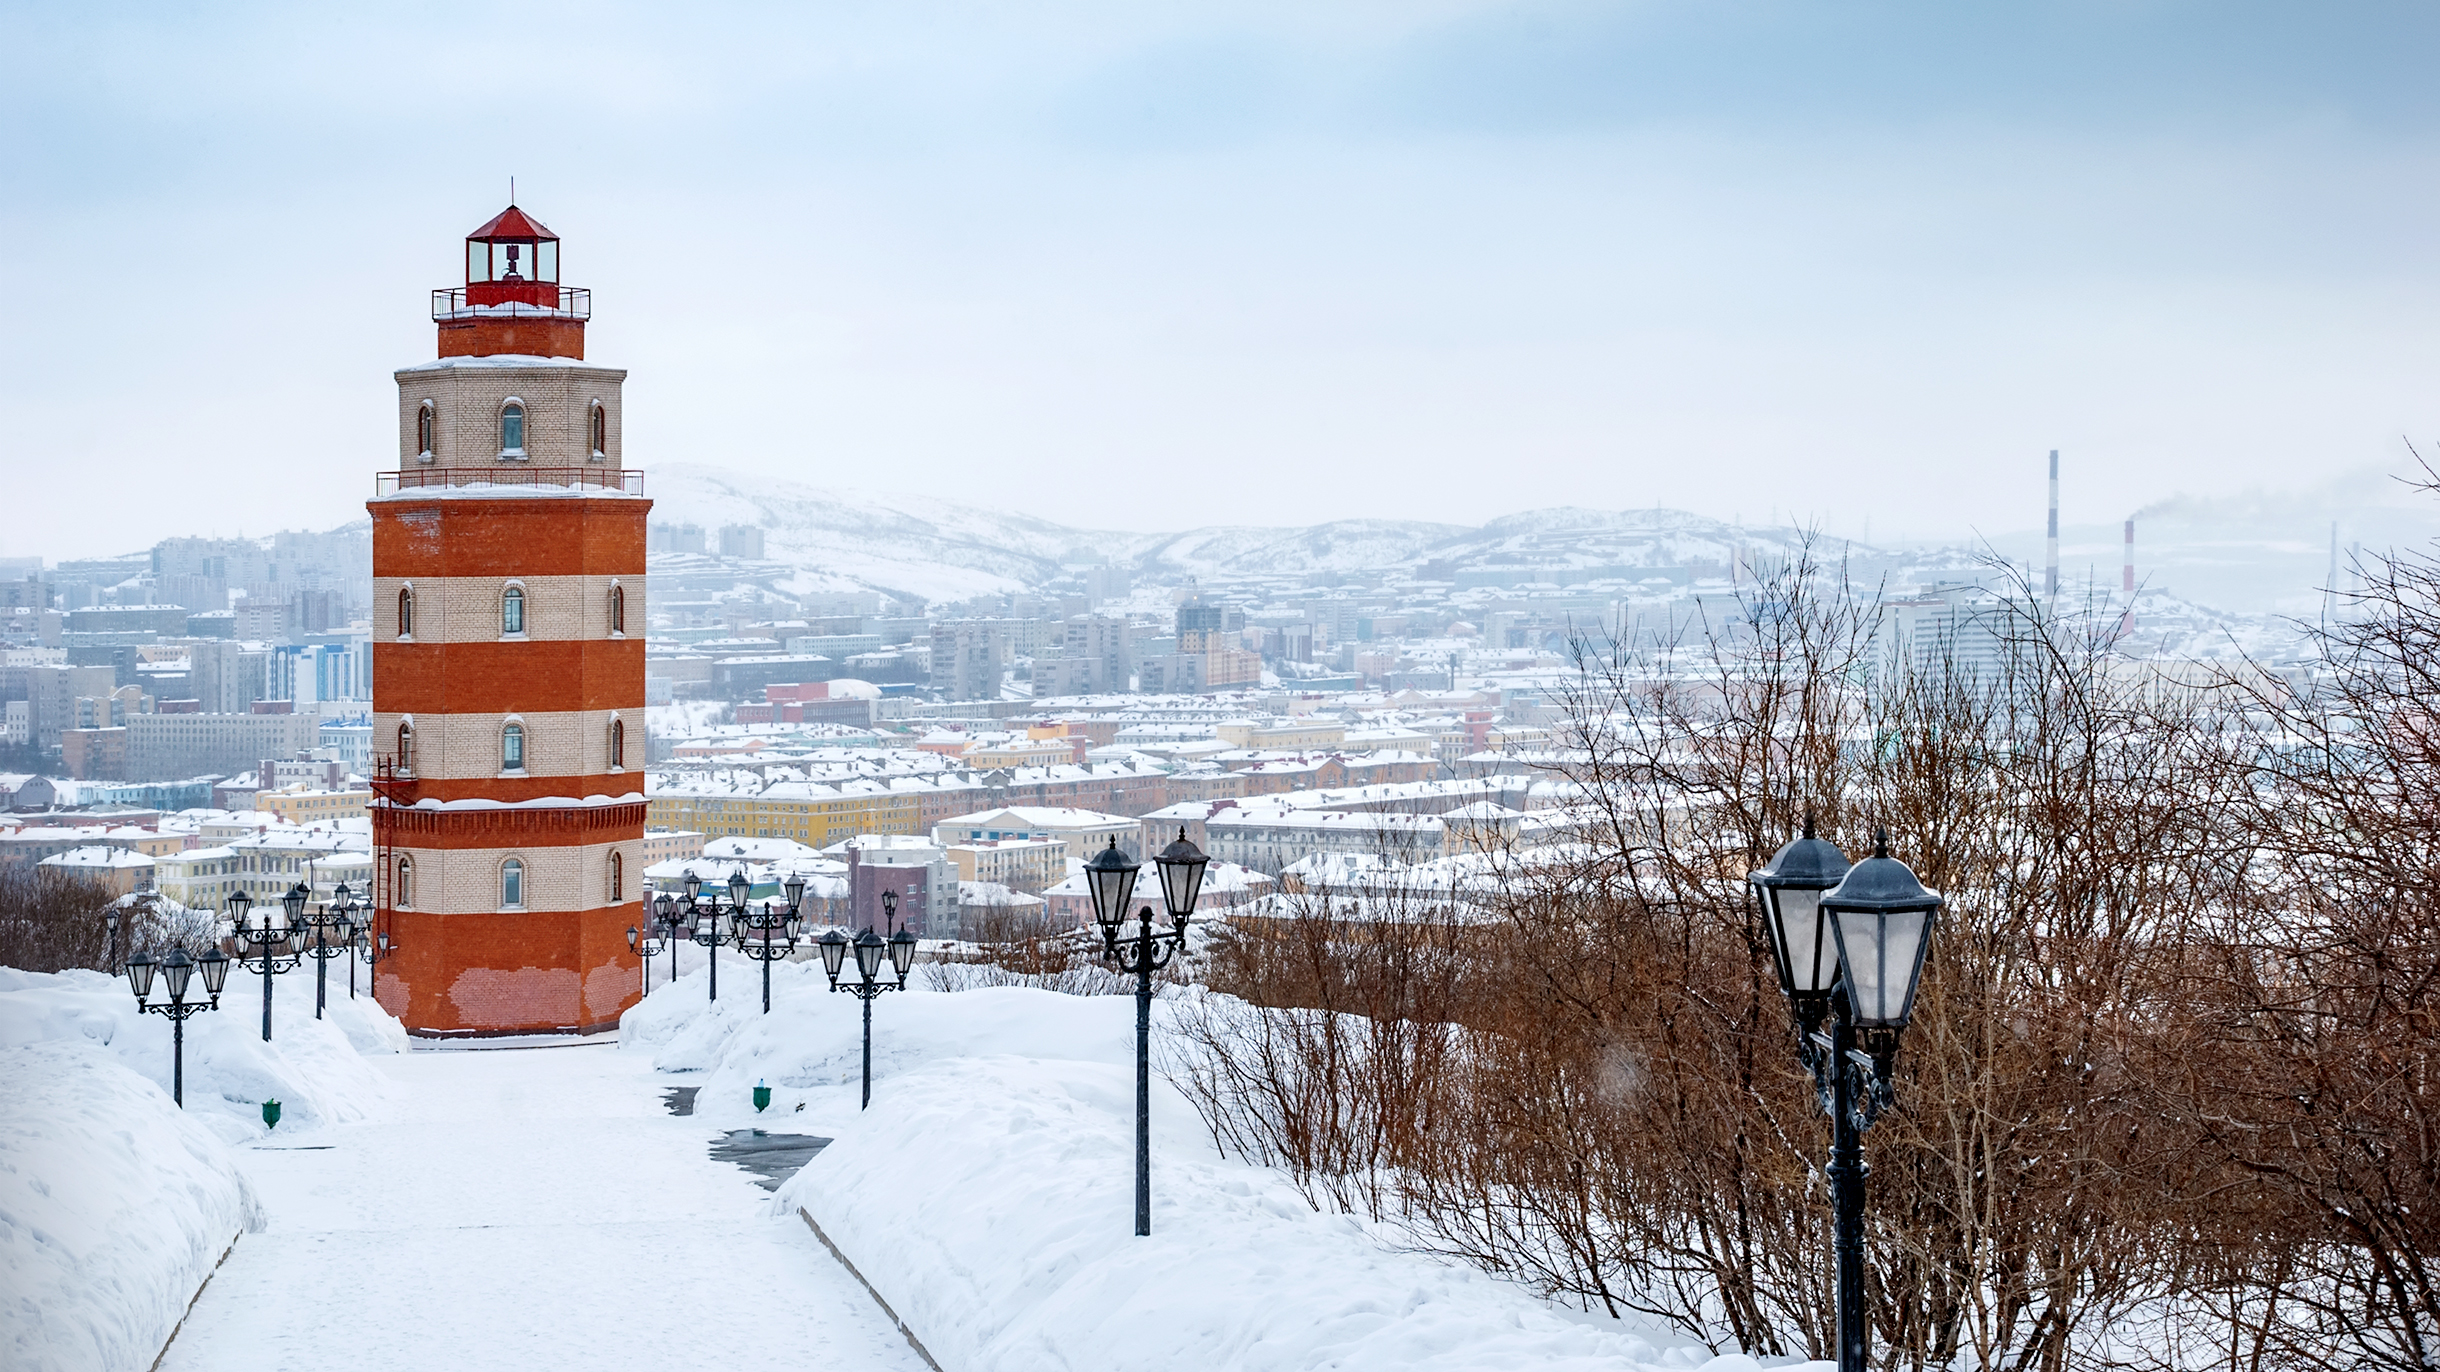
column 115, row 1204
column 114, row 1208
column 315, row 1069
column 988, row 1197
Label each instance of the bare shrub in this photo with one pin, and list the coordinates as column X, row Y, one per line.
column 1013, row 948
column 50, row 922
column 1611, row 1108
column 2309, row 1075
column 1328, row 1074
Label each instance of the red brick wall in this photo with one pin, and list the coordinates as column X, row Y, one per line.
column 558, row 826
column 501, row 678
column 492, row 337
column 539, row 972
column 535, row 971
column 510, row 536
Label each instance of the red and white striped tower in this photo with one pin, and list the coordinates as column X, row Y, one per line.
column 508, row 664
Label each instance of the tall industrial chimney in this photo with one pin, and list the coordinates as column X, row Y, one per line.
column 2329, row 589
column 2050, row 573
column 2126, row 584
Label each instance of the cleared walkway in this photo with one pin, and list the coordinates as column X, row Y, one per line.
column 524, row 1208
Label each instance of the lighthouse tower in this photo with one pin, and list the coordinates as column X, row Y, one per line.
column 508, row 664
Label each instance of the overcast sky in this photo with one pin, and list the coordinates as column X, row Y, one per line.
column 1162, row 265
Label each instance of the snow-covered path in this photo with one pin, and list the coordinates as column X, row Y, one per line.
column 524, row 1208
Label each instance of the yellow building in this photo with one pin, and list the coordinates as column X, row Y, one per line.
column 300, row 805
column 809, row 812
column 1284, row 736
column 1029, row 752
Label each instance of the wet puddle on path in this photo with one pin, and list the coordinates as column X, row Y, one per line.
column 772, row 1157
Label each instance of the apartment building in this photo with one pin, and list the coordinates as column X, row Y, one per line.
column 115, row 869
column 671, row 845
column 1085, row 832
column 270, row 862
column 313, row 805
column 1281, row 735
column 162, row 747
column 200, row 878
column 1029, row 865
column 817, row 814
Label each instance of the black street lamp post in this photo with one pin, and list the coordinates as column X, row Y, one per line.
column 112, row 920
column 264, row 947
column 647, row 946
column 1849, row 943
column 176, row 970
column 869, row 948
column 755, row 928
column 337, row 916
column 1110, row 877
column 670, row 915
column 374, row 948
column 708, row 921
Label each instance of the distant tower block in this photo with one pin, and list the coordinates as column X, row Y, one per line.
column 508, row 664
column 2050, row 564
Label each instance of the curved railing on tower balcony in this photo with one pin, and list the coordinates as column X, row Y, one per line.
column 628, row 480
column 454, row 302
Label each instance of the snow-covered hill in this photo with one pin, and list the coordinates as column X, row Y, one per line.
column 1346, row 545
column 909, row 541
column 902, row 541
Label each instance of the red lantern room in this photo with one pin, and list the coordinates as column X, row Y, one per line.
column 512, row 302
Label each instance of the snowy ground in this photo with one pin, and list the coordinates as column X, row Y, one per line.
column 540, row 1207
column 524, row 1208
column 987, row 1195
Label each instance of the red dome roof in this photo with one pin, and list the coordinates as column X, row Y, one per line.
column 512, row 224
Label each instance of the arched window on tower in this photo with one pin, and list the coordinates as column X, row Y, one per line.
column 618, row 878
column 601, row 432
column 402, row 896
column 512, row 884
column 427, row 431
column 512, row 429
column 406, row 746
column 512, row 610
column 512, row 748
column 406, row 612
column 618, row 609
column 618, row 744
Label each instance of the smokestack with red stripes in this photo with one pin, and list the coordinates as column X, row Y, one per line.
column 2050, row 565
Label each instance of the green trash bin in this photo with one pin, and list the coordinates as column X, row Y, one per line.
column 762, row 1097
column 271, row 1114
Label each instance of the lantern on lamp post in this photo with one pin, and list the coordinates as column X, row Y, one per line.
column 707, row 921
column 669, row 915
column 646, row 945
column 870, row 949
column 1849, row 942
column 755, row 929
column 265, row 944
column 337, row 917
column 176, row 972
